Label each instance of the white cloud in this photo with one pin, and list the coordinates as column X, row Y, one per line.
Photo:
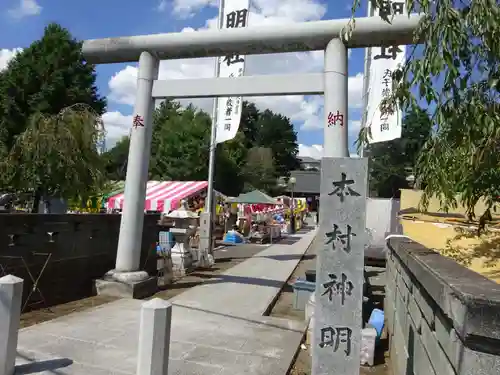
column 117, row 125
column 280, row 11
column 313, row 151
column 307, row 111
column 188, row 8
column 316, row 151
column 25, row 8
column 6, row 55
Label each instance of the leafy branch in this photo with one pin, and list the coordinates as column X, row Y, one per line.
column 455, row 74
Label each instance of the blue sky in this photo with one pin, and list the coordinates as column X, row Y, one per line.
column 23, row 22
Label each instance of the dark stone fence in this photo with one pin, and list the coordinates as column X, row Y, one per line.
column 79, row 249
column 442, row 318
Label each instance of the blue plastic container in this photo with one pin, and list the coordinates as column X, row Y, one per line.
column 166, row 242
column 377, row 321
column 302, row 291
column 230, row 237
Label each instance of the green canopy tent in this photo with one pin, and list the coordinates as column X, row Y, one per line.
column 253, row 197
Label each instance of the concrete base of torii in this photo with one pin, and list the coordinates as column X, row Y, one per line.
column 127, row 284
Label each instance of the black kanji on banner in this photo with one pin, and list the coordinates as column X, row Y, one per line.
column 388, row 8
column 388, row 53
column 237, row 18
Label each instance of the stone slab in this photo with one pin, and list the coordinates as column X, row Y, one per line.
column 137, row 290
column 340, row 266
column 104, row 340
column 255, row 283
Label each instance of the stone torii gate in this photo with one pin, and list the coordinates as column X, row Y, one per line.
column 337, row 331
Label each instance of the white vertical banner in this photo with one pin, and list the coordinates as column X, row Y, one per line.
column 383, row 62
column 234, row 15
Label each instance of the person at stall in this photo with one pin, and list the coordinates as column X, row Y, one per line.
column 233, row 214
column 254, row 229
column 227, row 209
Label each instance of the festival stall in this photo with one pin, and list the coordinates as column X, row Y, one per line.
column 163, row 196
column 299, row 210
column 258, row 216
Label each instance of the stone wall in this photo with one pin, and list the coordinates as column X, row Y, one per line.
column 81, row 248
column 442, row 318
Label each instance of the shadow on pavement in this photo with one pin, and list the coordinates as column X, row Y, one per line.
column 50, row 365
column 288, row 257
column 285, row 326
column 218, row 279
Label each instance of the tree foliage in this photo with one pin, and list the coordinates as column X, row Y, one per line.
column 115, row 160
column 56, row 155
column 392, row 162
column 276, row 132
column 259, row 170
column 50, row 120
column 45, row 78
column 455, row 72
column 179, row 144
column 180, row 149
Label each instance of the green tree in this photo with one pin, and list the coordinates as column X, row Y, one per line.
column 115, row 160
column 457, row 72
column 180, row 143
column 180, row 149
column 391, row 162
column 56, row 156
column 45, row 78
column 259, row 170
column 275, row 131
column 248, row 124
column 230, row 160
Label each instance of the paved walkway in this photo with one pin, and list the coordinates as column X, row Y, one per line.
column 217, row 327
column 250, row 287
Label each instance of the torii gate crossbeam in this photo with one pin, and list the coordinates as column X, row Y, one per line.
column 296, row 37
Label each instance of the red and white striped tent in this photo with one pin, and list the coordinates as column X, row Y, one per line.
column 163, row 196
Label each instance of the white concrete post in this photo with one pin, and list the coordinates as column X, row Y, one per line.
column 11, row 293
column 154, row 337
column 129, row 242
column 336, row 117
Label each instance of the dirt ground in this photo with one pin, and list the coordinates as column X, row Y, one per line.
column 284, row 309
column 225, row 259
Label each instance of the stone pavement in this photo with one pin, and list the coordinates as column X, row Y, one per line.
column 255, row 283
column 217, row 327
